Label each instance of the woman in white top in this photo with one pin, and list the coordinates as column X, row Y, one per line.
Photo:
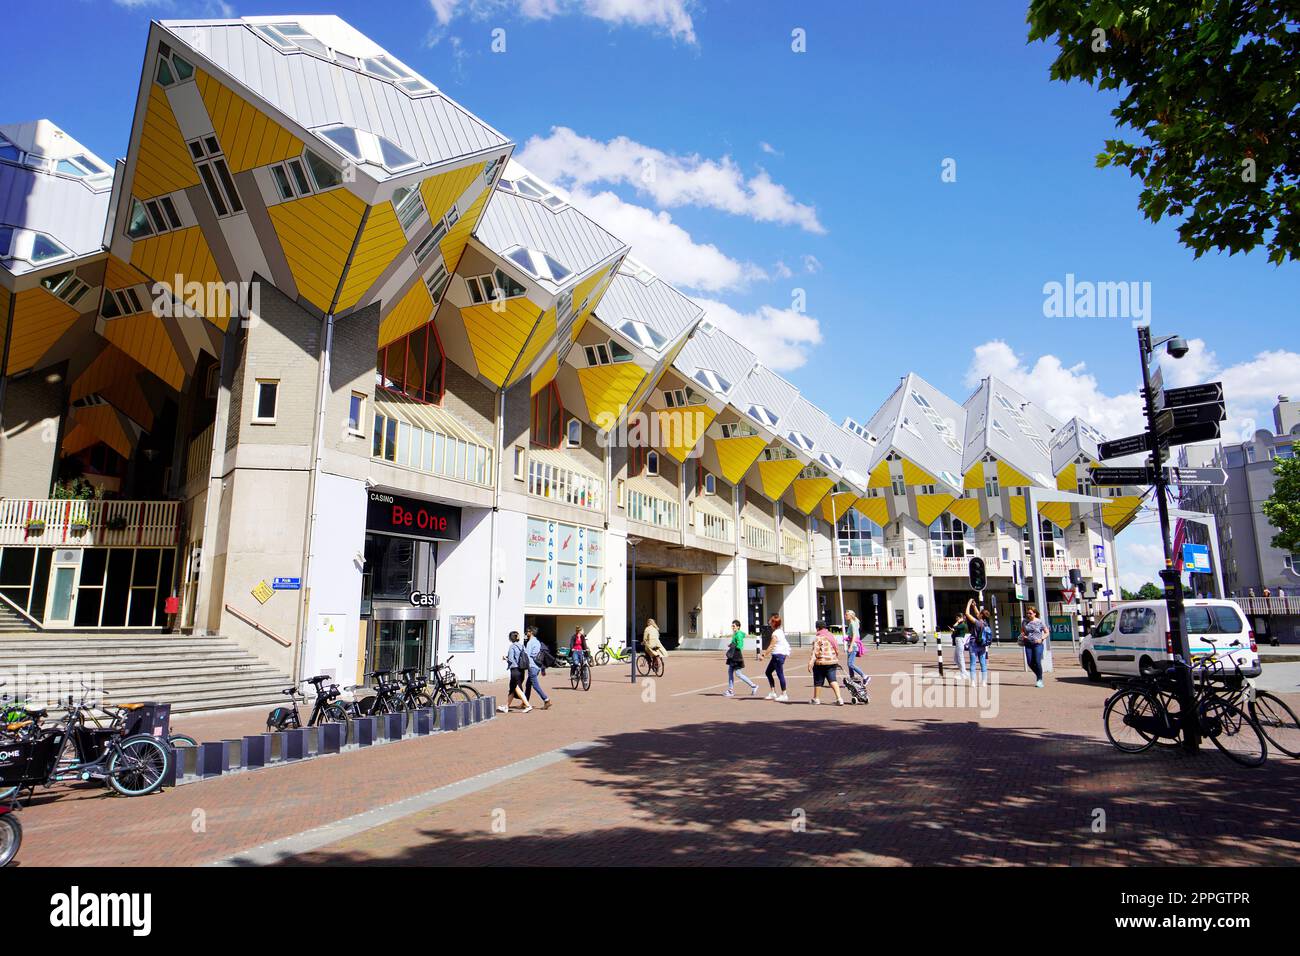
column 778, row 651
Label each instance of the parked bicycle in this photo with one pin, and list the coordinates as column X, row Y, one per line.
column 77, row 750
column 326, row 708
column 444, row 675
column 11, row 834
column 608, row 652
column 1144, row 711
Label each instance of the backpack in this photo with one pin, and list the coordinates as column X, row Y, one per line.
column 982, row 637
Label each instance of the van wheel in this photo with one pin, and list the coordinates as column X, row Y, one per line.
column 1090, row 668
column 1144, row 663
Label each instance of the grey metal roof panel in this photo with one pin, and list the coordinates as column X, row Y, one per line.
column 1004, row 422
column 566, row 234
column 765, row 387
column 63, row 207
column 315, row 92
column 927, row 431
column 654, row 302
column 713, row 349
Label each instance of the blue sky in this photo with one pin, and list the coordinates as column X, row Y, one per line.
column 776, row 171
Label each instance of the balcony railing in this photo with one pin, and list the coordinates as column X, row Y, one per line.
column 651, row 509
column 872, row 564
column 198, row 459
column 547, row 480
column 1269, row 605
column 757, row 537
column 52, row 522
column 714, row 527
column 430, row 450
column 794, row 547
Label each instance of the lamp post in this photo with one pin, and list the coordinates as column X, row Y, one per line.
column 1176, row 347
column 839, row 572
column 632, row 542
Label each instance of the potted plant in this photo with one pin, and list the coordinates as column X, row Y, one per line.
column 36, row 526
column 116, row 523
column 78, row 517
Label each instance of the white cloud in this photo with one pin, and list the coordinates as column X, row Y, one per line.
column 672, row 17
column 666, row 247
column 780, row 338
column 1250, row 388
column 781, row 270
column 811, row 264
column 769, row 149
column 579, row 162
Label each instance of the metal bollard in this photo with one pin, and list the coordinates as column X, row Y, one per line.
column 422, row 722
column 294, row 746
column 468, row 712
column 394, row 726
column 255, row 751
column 173, row 758
column 938, row 649
column 331, row 738
column 448, row 717
column 367, row 730
column 489, row 705
column 213, row 757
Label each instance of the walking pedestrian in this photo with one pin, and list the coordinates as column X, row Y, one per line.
column 960, row 633
column 778, row 651
column 824, row 664
column 977, row 643
column 535, row 658
column 1033, row 636
column 853, row 642
column 736, row 661
column 514, row 659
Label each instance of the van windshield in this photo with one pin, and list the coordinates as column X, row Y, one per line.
column 1216, row 619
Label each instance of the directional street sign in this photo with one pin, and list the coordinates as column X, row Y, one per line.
column 1197, row 477
column 1121, row 447
column 1191, row 395
column 1191, row 434
column 1121, row 476
column 1190, row 415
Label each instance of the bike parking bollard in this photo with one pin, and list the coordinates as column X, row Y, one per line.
column 367, row 730
column 394, row 725
column 422, row 722
column 448, row 717
column 468, row 712
column 484, row 712
column 489, row 705
column 213, row 758
column 294, row 746
column 187, row 761
column 173, row 771
column 234, row 749
column 331, row 738
column 255, row 751
column 312, row 746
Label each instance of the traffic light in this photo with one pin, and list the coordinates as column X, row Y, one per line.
column 1076, row 578
column 978, row 579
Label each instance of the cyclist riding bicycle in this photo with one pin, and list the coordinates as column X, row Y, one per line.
column 650, row 644
column 577, row 647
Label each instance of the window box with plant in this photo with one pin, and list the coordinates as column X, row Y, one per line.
column 36, row 526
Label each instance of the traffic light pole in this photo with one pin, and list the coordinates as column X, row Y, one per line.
column 1171, row 578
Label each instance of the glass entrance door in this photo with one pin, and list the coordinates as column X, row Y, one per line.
column 396, row 645
column 63, row 595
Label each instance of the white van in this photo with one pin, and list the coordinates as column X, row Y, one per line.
column 1135, row 634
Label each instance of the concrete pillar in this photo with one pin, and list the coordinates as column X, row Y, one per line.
column 799, row 603
column 29, row 444
column 722, row 596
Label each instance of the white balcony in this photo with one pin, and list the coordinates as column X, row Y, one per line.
column 555, row 482
column 713, row 527
column 882, row 564
column 62, row 522
column 757, row 537
column 794, row 547
column 653, row 510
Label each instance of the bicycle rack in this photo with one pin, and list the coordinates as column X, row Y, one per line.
column 367, row 730
column 422, row 722
column 255, row 750
column 449, row 717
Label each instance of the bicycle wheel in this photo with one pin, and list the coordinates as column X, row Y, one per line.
column 575, row 676
column 11, row 838
column 1128, row 717
column 1233, row 732
column 7, row 793
column 470, row 689
column 586, row 677
column 658, row 667
column 458, row 694
column 138, row 766
column 602, row 657
column 1277, row 721
column 181, row 740
column 642, row 665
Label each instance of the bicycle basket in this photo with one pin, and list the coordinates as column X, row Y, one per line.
column 91, row 742
column 152, row 718
column 29, row 761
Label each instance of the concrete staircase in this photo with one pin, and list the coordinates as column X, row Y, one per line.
column 190, row 673
column 11, row 622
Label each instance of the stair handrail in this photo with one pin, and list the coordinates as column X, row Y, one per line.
column 21, row 613
column 260, row 628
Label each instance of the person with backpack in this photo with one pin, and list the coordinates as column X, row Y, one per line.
column 977, row 644
column 824, row 664
column 1033, row 637
column 960, row 634
column 535, row 654
column 514, row 659
column 853, row 642
column 736, row 661
column 778, row 652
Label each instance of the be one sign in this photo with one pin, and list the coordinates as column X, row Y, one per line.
column 412, row 517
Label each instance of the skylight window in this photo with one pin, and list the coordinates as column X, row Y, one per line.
column 642, row 334
column 802, row 440
column 367, row 147
column 831, row 461
column 9, row 151
column 6, row 239
column 540, row 265
column 763, row 415
column 712, row 380
column 860, row 430
column 81, row 166
column 532, row 189
column 45, row 249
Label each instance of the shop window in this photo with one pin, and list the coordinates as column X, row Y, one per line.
column 414, row 366
column 548, row 413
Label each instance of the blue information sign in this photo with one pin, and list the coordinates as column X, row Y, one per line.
column 286, row 584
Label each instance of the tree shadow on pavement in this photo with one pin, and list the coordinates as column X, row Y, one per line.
column 936, row 792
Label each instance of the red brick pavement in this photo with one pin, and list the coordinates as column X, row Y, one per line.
column 692, row 777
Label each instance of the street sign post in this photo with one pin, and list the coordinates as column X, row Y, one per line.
column 1122, row 447
column 1189, row 416
column 1191, row 395
column 1191, row 434
column 1197, row 477
column 1140, row 475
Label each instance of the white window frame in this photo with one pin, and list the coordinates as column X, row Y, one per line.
column 356, row 426
column 569, row 441
column 652, row 463
column 219, row 184
column 257, row 418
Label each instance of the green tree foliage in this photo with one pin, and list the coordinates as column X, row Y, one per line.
column 1210, row 88
column 1147, row 592
column 1283, row 507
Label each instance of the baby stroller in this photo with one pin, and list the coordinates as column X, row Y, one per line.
column 857, row 688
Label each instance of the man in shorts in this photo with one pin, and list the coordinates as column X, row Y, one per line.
column 824, row 664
